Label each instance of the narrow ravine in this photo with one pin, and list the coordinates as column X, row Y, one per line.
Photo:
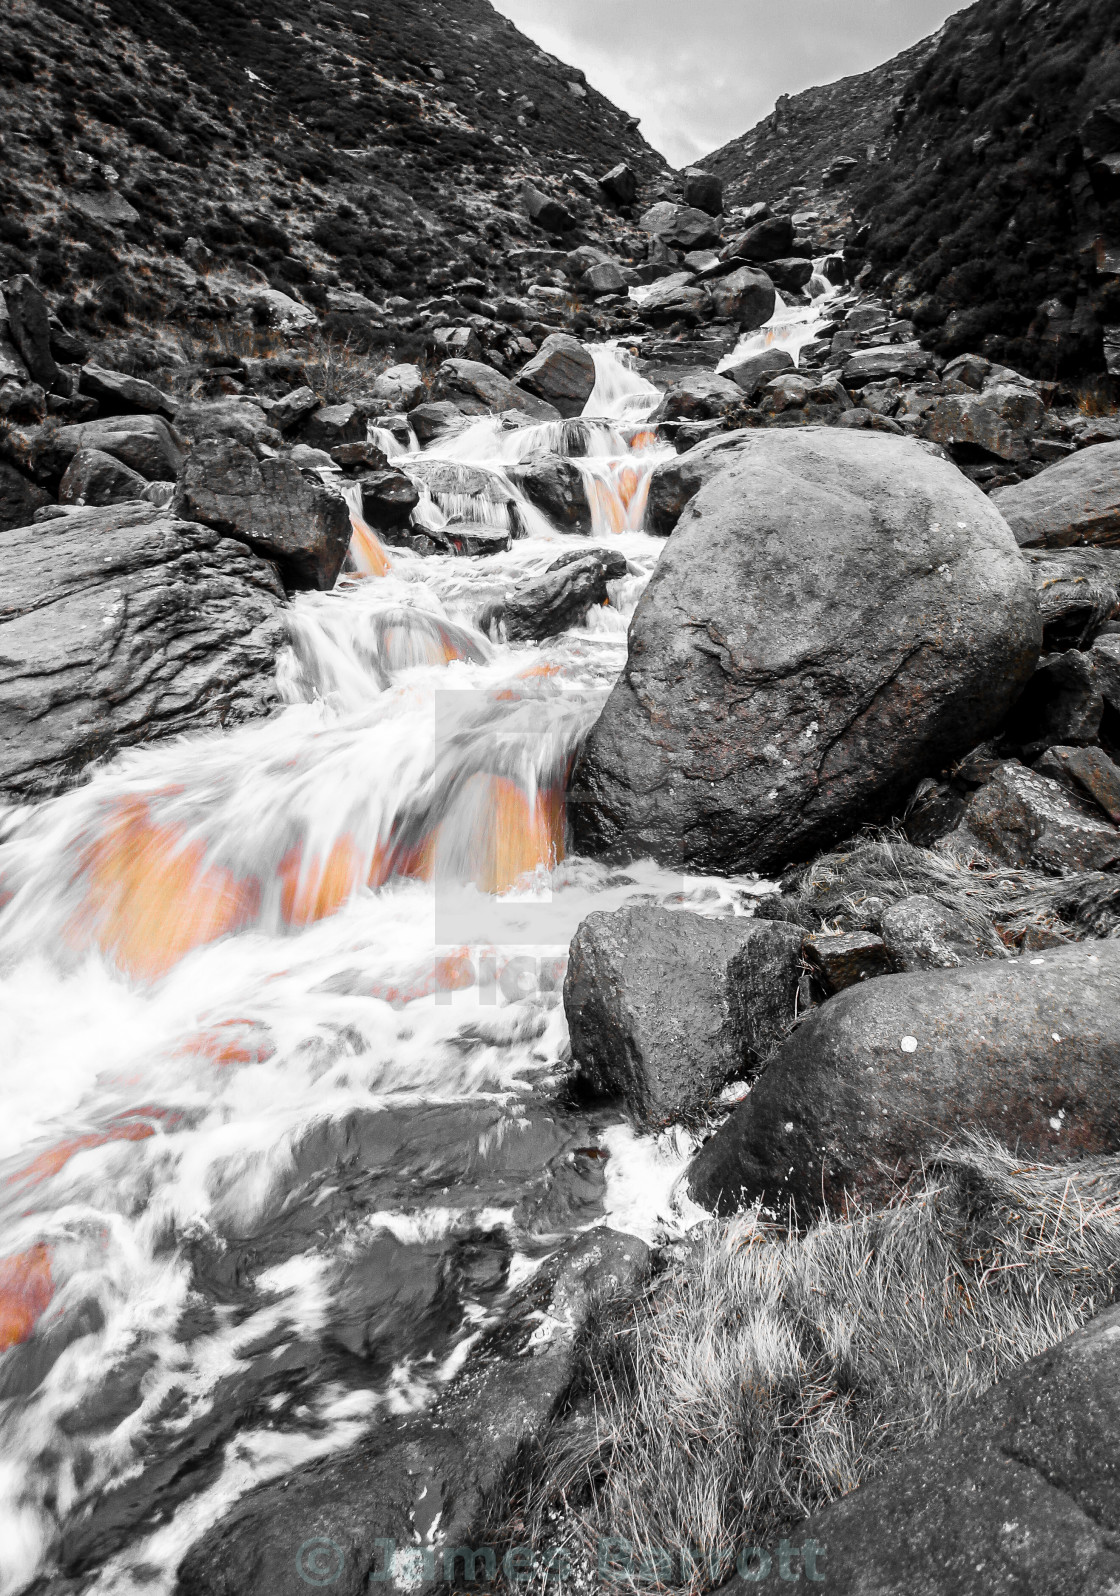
column 286, row 1027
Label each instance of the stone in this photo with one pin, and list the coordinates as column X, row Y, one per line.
column 478, row 390
column 1022, row 818
column 271, row 506
column 605, row 277
column 746, row 296
column 29, row 329
column 107, row 206
column 562, row 372
column 233, row 416
column 96, row 478
column 401, row 385
column 972, row 370
column 388, row 498
column 1105, row 658
column 294, row 406
column 434, row 420
column 835, row 615
column 1075, row 501
column 934, row 809
column 119, row 626
column 997, row 420
column 620, row 184
column 665, row 1007
column 753, row 372
column 680, row 226
column 550, row 604
column 698, row 395
column 548, row 213
column 908, row 362
column 281, row 311
column 119, row 395
column 790, row 273
column 1062, row 703
column 19, row 497
column 922, row 934
column 770, row 238
column 364, row 456
column 675, row 298
column 143, row 443
column 703, row 190
column 1078, row 591
column 844, row 958
column 1090, row 772
column 555, row 485
column 877, row 1079
column 457, row 343
column 331, row 425
column 1020, row 1492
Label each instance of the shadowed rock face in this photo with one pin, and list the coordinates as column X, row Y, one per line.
column 881, row 1076
column 836, row 614
column 119, row 626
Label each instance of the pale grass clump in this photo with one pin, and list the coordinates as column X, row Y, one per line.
column 767, row 1372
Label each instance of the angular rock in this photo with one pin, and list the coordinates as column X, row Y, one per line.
column 674, row 298
column 478, row 390
column 922, row 934
column 121, row 625
column 19, row 497
column 1022, row 818
column 905, row 361
column 620, row 184
column 388, row 498
column 29, row 329
column 547, row 212
column 698, row 396
column 746, row 296
column 457, row 343
column 880, row 1077
column 144, row 443
column 550, row 604
column 998, row 420
column 293, row 408
column 843, row 959
column 605, row 277
column 771, row 238
column 1090, row 772
column 1075, row 501
column 1105, row 658
column 703, row 190
column 665, row 1007
column 271, row 506
column 331, row 425
column 120, row 395
column 935, row 808
column 1062, row 703
column 755, row 370
column 1078, row 591
column 791, row 273
column 364, row 456
column 400, row 385
column 680, row 226
column 835, row 615
column 234, row 417
column 431, row 421
column 96, row 478
column 557, row 488
column 562, row 372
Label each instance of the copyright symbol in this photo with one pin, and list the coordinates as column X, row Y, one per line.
column 319, row 1561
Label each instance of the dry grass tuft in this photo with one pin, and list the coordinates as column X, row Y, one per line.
column 766, row 1373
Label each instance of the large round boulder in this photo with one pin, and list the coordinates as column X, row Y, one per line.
column 836, row 615
column 883, row 1075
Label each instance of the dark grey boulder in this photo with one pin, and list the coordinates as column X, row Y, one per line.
column 769, row 239
column 703, row 190
column 1075, row 501
column 877, row 1079
column 555, row 485
column 271, row 506
column 240, row 419
column 96, row 478
column 680, row 226
column 548, row 213
column 435, row 419
column 562, row 372
column 121, row 395
column 1020, row 817
column 908, row 362
column 620, row 184
column 1062, row 703
column 1078, row 592
column 1089, row 772
column 836, row 614
column 791, row 273
column 146, row 444
column 841, row 959
column 388, row 498
column 665, row 1007
column 746, row 296
column 1002, row 420
column 293, row 408
column 675, row 483
column 1021, row 1492
column 29, row 329
column 604, row 277
column 19, row 497
column 331, row 425
column 119, row 626
column 922, row 934
column 698, row 395
column 561, row 598
column 479, row 390
column 752, row 373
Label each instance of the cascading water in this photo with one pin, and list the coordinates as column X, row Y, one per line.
column 281, row 1009
column 791, row 327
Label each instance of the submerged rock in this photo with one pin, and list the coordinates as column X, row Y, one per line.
column 665, row 1007
column 836, row 614
column 121, row 625
column 878, row 1078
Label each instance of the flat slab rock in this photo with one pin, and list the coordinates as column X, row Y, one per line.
column 121, row 625
column 880, row 1077
column 1075, row 501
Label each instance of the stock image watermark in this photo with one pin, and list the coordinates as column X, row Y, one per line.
column 321, row 1562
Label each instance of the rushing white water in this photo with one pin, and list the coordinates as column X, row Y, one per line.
column 791, row 327
column 271, row 1001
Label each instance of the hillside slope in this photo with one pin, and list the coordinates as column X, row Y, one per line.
column 308, row 145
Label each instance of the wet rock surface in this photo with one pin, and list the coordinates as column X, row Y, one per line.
column 879, row 1077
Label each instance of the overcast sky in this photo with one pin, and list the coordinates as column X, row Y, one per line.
column 700, row 72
